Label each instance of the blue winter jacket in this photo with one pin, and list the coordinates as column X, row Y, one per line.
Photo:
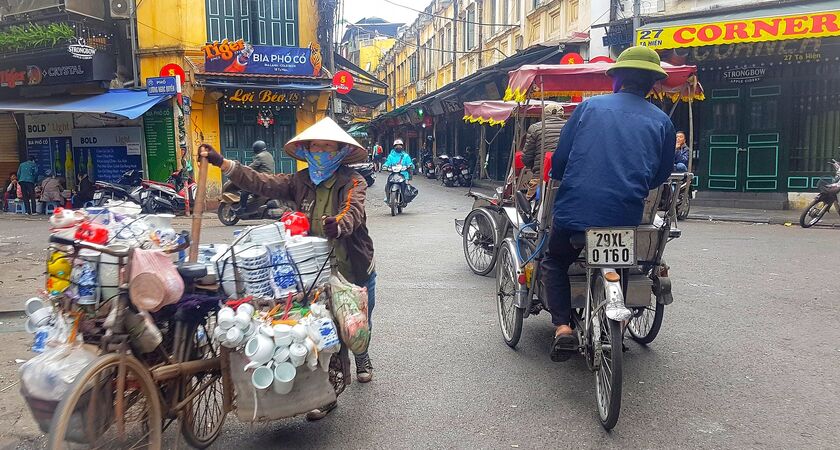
column 395, row 158
column 613, row 150
column 27, row 172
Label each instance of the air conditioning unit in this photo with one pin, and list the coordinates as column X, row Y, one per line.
column 90, row 8
column 120, row 9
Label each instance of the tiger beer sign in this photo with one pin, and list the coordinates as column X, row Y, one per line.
column 800, row 26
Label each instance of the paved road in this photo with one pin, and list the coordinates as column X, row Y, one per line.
column 747, row 357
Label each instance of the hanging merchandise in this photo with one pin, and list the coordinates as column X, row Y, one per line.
column 265, row 118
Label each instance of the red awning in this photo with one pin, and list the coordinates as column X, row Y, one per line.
column 591, row 78
column 496, row 112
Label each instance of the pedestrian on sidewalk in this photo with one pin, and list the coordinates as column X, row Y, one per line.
column 332, row 195
column 27, row 175
column 12, row 191
column 52, row 188
column 612, row 152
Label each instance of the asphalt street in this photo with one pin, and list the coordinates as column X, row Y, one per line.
column 748, row 355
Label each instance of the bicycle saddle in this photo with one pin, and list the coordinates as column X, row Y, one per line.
column 192, row 271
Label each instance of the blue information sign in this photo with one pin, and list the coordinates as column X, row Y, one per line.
column 159, row 86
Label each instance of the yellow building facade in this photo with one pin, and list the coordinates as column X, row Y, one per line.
column 174, row 31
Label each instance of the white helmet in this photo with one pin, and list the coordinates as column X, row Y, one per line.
column 398, row 142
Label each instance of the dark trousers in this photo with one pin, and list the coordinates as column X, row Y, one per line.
column 28, row 190
column 555, row 269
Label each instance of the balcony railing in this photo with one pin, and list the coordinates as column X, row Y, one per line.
column 41, row 37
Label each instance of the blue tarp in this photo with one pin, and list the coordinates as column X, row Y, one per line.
column 126, row 103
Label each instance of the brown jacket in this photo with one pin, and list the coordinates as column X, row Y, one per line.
column 349, row 190
column 534, row 139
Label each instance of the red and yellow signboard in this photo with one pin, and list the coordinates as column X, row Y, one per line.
column 800, row 26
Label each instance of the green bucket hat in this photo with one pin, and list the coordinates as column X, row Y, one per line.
column 639, row 57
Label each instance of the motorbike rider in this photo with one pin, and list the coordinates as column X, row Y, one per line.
column 614, row 149
column 332, row 195
column 398, row 157
column 263, row 162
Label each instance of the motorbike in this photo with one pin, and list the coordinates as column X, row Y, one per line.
column 822, row 203
column 257, row 207
column 174, row 197
column 396, row 188
column 446, row 171
column 427, row 165
column 128, row 188
column 367, row 170
column 463, row 174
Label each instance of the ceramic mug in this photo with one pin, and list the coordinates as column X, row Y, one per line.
column 247, row 308
column 262, row 377
column 259, row 349
column 33, row 304
column 39, row 318
column 281, row 354
column 284, row 378
column 242, row 320
column 297, row 354
column 233, row 337
column 225, row 318
column 299, row 333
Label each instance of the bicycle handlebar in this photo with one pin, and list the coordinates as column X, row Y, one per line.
column 77, row 244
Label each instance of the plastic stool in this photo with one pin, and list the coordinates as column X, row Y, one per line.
column 51, row 206
column 19, row 207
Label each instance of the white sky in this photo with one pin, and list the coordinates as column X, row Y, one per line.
column 354, row 10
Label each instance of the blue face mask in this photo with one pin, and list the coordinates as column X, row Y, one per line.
column 322, row 165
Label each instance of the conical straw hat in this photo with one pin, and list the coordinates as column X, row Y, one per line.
column 327, row 130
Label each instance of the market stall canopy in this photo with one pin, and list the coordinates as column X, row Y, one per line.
column 591, row 78
column 127, row 103
column 496, row 112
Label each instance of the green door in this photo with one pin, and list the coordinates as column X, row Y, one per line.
column 742, row 139
column 240, row 129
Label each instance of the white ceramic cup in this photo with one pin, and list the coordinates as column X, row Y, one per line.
column 259, row 349
column 282, row 335
column 284, row 378
column 297, row 354
column 299, row 333
column 281, row 354
column 251, row 329
column 242, row 319
column 33, row 304
column 234, row 336
column 225, row 318
column 262, row 377
column 39, row 318
column 247, row 308
column 219, row 334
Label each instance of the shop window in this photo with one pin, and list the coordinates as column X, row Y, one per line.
column 763, row 113
column 815, row 120
column 470, row 28
column 725, row 117
column 276, row 21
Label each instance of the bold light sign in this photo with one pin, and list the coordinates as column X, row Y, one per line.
column 802, row 26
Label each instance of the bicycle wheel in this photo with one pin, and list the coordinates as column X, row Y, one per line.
column 480, row 241
column 645, row 324
column 814, row 212
column 203, row 417
column 510, row 316
column 608, row 354
column 89, row 414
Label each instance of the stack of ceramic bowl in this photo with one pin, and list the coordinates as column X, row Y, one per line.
column 283, row 271
column 254, row 264
column 322, row 252
column 271, row 234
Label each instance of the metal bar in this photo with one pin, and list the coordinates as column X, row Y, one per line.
column 185, row 369
column 227, row 383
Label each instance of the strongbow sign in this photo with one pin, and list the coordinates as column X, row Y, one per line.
column 744, row 75
column 814, row 25
column 81, row 50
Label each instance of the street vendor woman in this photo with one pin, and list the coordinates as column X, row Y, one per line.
column 332, row 195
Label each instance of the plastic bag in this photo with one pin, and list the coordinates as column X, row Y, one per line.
column 410, row 193
column 350, row 308
column 50, row 375
column 154, row 281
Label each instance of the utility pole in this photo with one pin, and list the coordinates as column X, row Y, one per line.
column 637, row 16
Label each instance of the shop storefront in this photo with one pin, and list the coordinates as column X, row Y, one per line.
column 244, row 93
column 71, row 123
column 771, row 118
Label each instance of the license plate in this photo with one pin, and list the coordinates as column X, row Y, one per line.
column 611, row 247
column 465, row 172
column 448, row 174
column 97, row 195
